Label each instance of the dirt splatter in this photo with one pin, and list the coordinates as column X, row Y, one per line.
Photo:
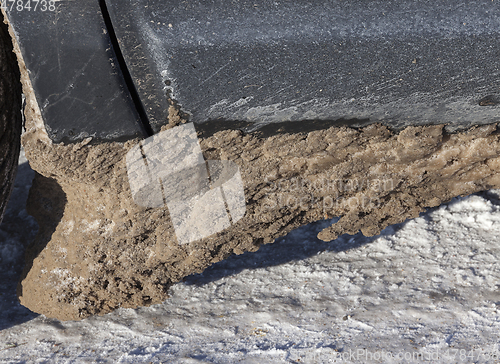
column 101, row 251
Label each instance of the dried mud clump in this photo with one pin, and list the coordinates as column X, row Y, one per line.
column 97, row 250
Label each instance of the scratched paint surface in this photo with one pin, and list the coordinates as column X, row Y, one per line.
column 261, row 62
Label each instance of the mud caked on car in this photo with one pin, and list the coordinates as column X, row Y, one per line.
column 168, row 135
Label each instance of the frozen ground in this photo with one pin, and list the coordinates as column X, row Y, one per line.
column 423, row 291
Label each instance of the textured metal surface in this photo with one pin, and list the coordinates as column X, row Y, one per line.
column 399, row 62
column 73, row 69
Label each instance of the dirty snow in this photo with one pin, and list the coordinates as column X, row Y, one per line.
column 423, row 291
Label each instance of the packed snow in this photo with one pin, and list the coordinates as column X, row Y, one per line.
column 426, row 290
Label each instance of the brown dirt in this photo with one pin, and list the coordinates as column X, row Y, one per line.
column 97, row 250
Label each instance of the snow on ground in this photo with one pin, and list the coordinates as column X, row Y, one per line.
column 423, row 291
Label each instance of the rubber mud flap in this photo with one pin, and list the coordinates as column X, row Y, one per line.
column 74, row 72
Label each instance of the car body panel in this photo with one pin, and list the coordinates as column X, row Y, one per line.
column 396, row 62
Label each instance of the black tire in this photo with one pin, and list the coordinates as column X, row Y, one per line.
column 10, row 116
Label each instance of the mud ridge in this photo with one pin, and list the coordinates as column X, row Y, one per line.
column 106, row 252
